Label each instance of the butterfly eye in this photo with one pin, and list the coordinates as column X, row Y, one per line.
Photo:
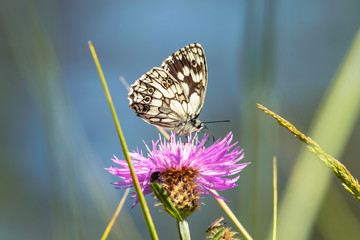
column 147, row 99
column 151, row 90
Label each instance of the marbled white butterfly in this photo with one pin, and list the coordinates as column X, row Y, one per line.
column 172, row 95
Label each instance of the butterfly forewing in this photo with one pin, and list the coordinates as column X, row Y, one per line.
column 188, row 66
column 172, row 95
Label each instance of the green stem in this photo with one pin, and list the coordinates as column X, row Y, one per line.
column 144, row 207
column 183, row 230
column 275, row 197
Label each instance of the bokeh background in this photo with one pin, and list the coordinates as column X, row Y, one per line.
column 57, row 133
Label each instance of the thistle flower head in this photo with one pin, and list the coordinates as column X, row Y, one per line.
column 185, row 170
column 227, row 234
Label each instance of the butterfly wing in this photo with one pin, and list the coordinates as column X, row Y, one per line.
column 188, row 67
column 159, row 99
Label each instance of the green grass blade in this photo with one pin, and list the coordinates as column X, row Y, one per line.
column 331, row 128
column 145, row 209
column 349, row 182
column 275, row 200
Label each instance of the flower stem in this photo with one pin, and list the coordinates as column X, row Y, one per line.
column 183, row 229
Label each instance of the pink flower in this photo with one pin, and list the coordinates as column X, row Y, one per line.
column 174, row 162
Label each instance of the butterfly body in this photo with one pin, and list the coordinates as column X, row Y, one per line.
column 172, row 95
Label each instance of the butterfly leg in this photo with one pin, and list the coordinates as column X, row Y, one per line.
column 210, row 133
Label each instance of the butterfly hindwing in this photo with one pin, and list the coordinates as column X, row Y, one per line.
column 158, row 98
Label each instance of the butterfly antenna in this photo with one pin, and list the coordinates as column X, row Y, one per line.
column 214, row 122
column 218, row 121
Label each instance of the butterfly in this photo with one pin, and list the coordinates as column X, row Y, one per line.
column 172, row 95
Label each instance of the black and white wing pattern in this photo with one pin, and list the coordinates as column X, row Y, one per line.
column 188, row 66
column 172, row 95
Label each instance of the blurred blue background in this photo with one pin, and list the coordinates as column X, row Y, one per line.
column 57, row 133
